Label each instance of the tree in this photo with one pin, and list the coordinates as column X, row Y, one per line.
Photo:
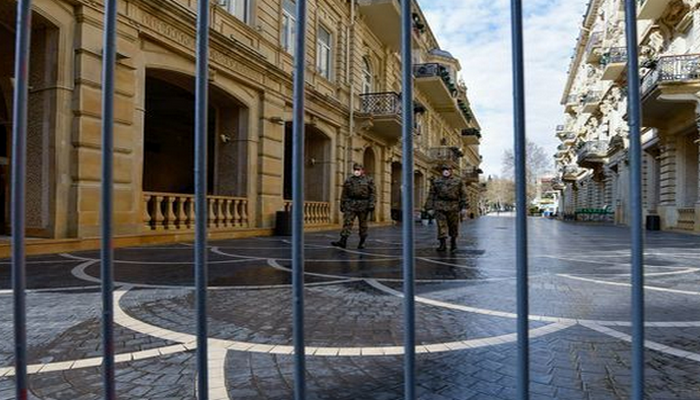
column 500, row 193
column 536, row 165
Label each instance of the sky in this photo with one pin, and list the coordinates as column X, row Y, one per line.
column 477, row 32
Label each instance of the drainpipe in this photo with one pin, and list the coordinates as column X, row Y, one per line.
column 348, row 72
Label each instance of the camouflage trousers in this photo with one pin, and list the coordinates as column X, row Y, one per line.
column 349, row 220
column 447, row 221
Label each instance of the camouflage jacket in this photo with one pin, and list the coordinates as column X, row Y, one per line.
column 447, row 194
column 358, row 194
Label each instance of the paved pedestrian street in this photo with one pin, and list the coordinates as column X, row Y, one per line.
column 579, row 298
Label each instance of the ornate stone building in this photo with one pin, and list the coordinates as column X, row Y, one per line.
column 593, row 155
column 353, row 114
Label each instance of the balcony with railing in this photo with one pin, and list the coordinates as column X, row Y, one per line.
column 570, row 173
column 651, row 9
column 614, row 62
column 170, row 212
column 590, row 101
column 569, row 138
column 566, row 136
column 572, row 101
column 558, row 184
column 384, row 113
column 471, row 135
column 449, row 155
column 675, row 75
column 383, row 17
column 434, row 80
column 470, row 175
column 593, row 47
column 673, row 69
column 592, row 153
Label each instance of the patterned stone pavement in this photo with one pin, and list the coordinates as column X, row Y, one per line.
column 580, row 305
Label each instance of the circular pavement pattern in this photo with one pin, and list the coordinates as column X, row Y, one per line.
column 465, row 308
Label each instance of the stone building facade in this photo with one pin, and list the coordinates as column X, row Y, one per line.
column 353, row 114
column 593, row 157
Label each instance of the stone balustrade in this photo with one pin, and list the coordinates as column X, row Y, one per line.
column 315, row 212
column 175, row 212
column 686, row 218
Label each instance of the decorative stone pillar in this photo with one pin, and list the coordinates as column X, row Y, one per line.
column 668, row 170
column 667, row 180
column 608, row 188
column 270, row 160
column 696, row 226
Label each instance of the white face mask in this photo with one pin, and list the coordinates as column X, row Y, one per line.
column 446, row 173
column 357, row 172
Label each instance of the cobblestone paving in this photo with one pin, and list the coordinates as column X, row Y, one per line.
column 580, row 307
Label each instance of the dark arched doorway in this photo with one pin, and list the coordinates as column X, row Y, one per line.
column 396, row 191
column 168, row 161
column 317, row 173
column 41, row 121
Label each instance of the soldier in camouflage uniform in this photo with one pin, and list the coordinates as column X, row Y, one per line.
column 356, row 201
column 447, row 198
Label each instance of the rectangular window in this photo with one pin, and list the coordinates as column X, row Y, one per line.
column 289, row 18
column 238, row 8
column 323, row 53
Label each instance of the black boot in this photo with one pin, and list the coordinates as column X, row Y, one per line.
column 443, row 245
column 343, row 242
column 453, row 244
column 361, row 245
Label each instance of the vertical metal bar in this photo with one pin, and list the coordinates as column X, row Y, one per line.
column 200, row 183
column 409, row 334
column 635, row 154
column 19, row 167
column 298, row 204
column 109, row 52
column 521, row 199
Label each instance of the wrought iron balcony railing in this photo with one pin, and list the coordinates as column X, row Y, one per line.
column 592, row 51
column 471, row 175
column 672, row 69
column 591, row 97
column 449, row 154
column 557, row 184
column 387, row 103
column 569, row 172
column 472, row 132
column 566, row 136
column 435, row 70
column 615, row 55
column 592, row 152
column 573, row 99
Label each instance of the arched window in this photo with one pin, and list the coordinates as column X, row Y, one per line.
column 366, row 76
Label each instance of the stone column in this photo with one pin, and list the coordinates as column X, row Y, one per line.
column 696, row 226
column 270, row 160
column 608, row 182
column 667, row 180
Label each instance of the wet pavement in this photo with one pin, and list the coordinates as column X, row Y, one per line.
column 579, row 299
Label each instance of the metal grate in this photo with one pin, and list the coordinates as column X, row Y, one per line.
column 671, row 69
column 388, row 103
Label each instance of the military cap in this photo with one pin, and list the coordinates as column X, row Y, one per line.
column 357, row 166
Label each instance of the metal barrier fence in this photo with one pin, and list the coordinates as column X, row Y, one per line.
column 18, row 198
